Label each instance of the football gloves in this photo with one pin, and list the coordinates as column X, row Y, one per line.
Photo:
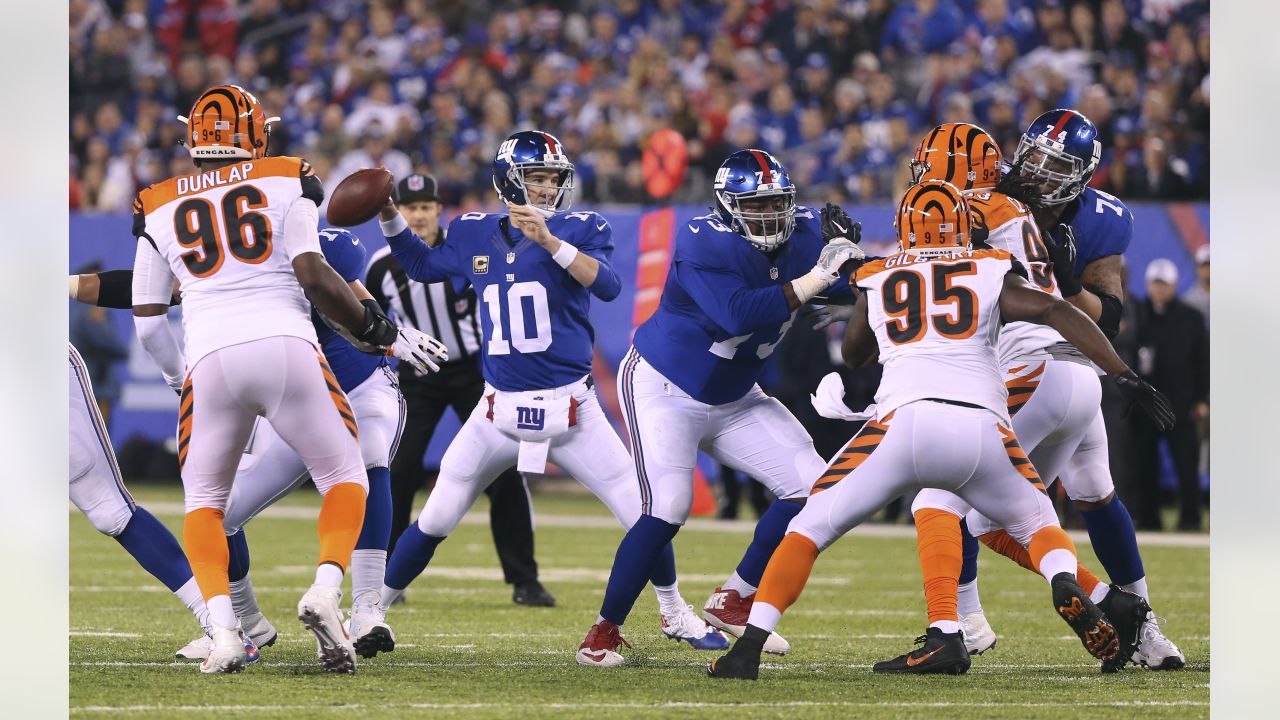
column 1062, row 251
column 1137, row 391
column 836, row 223
column 419, row 349
column 824, row 315
column 834, row 255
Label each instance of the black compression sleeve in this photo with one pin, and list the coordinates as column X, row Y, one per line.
column 115, row 289
column 1109, row 321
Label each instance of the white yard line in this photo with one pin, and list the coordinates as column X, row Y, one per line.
column 293, row 512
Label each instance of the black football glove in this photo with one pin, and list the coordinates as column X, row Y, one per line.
column 836, row 223
column 378, row 328
column 1062, row 251
column 1139, row 392
column 979, row 236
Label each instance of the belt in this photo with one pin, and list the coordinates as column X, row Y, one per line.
column 959, row 403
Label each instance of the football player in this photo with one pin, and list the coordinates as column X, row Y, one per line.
column 240, row 235
column 1089, row 231
column 535, row 270
column 738, row 276
column 931, row 316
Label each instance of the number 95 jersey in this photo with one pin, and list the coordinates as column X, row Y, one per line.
column 936, row 321
column 221, row 233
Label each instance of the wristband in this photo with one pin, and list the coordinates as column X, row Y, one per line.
column 73, row 285
column 810, row 284
column 565, row 256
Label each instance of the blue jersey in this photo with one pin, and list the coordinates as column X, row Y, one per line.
column 534, row 313
column 350, row 366
column 1102, row 225
column 722, row 310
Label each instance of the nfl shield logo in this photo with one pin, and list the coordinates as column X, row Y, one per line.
column 417, row 182
column 773, row 273
column 511, row 258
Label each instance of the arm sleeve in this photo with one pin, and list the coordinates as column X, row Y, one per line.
column 599, row 245
column 419, row 261
column 301, row 228
column 152, row 278
column 115, row 289
column 727, row 301
column 157, row 339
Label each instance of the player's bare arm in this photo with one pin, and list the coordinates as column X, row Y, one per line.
column 1100, row 277
column 860, row 348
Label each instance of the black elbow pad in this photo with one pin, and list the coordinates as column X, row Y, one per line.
column 1112, row 309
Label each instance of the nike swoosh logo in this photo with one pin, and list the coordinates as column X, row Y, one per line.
column 601, row 226
column 839, row 227
column 694, row 230
column 912, row 662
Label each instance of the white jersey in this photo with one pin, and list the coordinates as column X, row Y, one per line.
column 221, row 232
column 936, row 321
column 1013, row 229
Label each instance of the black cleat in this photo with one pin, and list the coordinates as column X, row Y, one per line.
column 1097, row 635
column 1126, row 612
column 532, row 594
column 742, row 662
column 379, row 639
column 940, row 653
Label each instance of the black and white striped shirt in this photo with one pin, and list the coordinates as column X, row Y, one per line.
column 433, row 308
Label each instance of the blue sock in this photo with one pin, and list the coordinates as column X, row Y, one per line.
column 769, row 531
column 376, row 532
column 238, row 568
column 638, row 554
column 664, row 568
column 413, row 551
column 1114, row 542
column 969, row 570
column 155, row 549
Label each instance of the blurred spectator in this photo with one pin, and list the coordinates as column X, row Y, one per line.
column 1173, row 355
column 96, row 337
column 1198, row 296
column 374, row 151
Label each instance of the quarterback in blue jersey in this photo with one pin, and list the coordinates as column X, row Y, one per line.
column 1090, row 230
column 270, row 469
column 737, row 278
column 535, row 270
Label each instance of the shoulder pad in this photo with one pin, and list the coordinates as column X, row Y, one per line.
column 992, row 209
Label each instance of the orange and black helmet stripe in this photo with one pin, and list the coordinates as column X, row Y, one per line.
column 1018, row 457
column 933, row 215
column 227, row 117
column 854, row 454
column 962, row 154
column 1022, row 387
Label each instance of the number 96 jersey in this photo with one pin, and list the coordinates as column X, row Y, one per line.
column 936, row 321
column 221, row 234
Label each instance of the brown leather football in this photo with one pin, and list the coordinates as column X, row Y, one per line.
column 359, row 197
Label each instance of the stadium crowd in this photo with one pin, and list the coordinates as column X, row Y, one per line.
column 837, row 89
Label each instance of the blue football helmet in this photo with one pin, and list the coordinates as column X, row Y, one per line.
column 1059, row 152
column 743, row 185
column 532, row 150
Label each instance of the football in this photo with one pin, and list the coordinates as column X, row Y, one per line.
column 359, row 197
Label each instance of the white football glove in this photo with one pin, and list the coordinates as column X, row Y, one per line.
column 835, row 254
column 419, row 349
column 825, row 315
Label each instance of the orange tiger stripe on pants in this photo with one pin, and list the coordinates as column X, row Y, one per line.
column 339, row 398
column 853, row 454
column 186, row 405
column 1022, row 387
column 1019, row 458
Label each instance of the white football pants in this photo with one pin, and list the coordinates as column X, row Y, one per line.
column 96, row 486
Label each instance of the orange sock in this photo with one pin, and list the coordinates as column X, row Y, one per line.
column 788, row 571
column 1046, row 540
column 206, row 547
column 341, row 517
column 1003, row 543
column 941, row 556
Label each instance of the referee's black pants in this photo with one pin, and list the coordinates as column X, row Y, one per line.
column 460, row 386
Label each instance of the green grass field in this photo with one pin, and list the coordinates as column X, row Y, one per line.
column 466, row 651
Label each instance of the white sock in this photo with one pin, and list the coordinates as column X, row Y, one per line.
column 735, row 582
column 329, row 575
column 1058, row 561
column 1138, row 587
column 968, row 600
column 946, row 626
column 1099, row 593
column 367, row 570
column 669, row 596
column 190, row 596
column 388, row 596
column 600, row 619
column 764, row 616
column 243, row 599
column 220, row 612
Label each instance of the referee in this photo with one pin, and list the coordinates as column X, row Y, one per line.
column 450, row 317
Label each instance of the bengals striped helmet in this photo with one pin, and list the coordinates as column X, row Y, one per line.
column 226, row 123
column 933, row 219
column 959, row 153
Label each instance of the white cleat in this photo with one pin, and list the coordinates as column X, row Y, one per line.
column 197, row 649
column 978, row 635
column 260, row 631
column 1155, row 651
column 226, row 654
column 728, row 611
column 368, row 626
column 600, row 647
column 319, row 613
column 682, row 623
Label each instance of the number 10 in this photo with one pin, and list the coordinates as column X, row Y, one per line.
column 541, row 339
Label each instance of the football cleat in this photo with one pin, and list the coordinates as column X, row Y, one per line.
column 369, row 631
column 1098, row 636
column 939, row 653
column 742, row 662
column 728, row 611
column 978, row 635
column 683, row 623
column 319, row 613
column 200, row 648
column 532, row 594
column 600, row 647
column 1155, row 651
column 260, row 631
column 1127, row 612
column 226, row 651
